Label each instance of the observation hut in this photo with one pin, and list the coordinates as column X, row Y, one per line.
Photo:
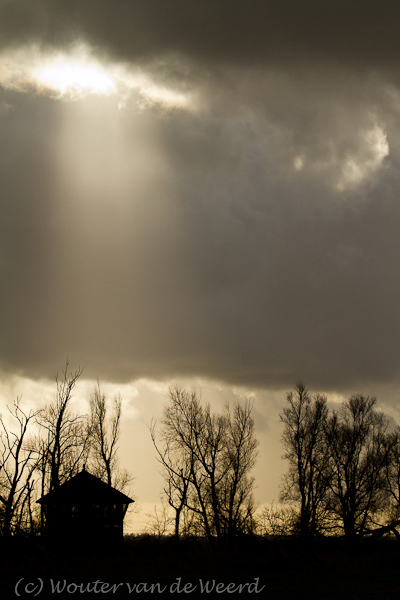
column 85, row 510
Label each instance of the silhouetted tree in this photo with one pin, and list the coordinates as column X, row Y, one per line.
column 207, row 459
column 104, row 435
column 177, row 452
column 236, row 504
column 17, row 462
column 304, row 441
column 392, row 477
column 176, row 472
column 159, row 521
column 63, row 441
column 277, row 521
column 360, row 451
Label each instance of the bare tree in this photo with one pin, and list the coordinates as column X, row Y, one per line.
column 17, row 461
column 177, row 453
column 159, row 521
column 360, row 450
column 176, row 471
column 307, row 480
column 392, row 477
column 237, row 506
column 104, row 436
column 276, row 521
column 207, row 458
column 64, row 446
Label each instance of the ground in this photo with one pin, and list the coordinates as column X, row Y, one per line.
column 148, row 567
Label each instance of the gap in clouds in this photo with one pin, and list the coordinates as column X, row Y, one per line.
column 75, row 72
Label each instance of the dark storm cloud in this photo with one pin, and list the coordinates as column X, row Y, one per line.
column 252, row 238
column 220, row 265
column 253, row 32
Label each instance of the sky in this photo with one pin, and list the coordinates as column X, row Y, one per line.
column 205, row 192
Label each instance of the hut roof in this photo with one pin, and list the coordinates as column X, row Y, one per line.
column 85, row 488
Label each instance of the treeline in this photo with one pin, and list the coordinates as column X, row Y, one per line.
column 343, row 471
column 344, row 467
column 41, row 449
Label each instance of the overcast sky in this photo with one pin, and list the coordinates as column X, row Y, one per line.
column 201, row 189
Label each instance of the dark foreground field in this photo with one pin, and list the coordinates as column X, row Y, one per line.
column 150, row 568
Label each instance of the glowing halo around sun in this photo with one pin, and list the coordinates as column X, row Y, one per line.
column 75, row 79
column 77, row 73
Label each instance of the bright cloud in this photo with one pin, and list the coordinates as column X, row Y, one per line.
column 346, row 169
column 74, row 78
column 74, row 74
column 360, row 166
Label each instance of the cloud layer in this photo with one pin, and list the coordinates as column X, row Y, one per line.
column 258, row 32
column 248, row 234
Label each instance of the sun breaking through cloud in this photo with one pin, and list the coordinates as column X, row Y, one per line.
column 74, row 79
column 75, row 73
column 201, row 190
